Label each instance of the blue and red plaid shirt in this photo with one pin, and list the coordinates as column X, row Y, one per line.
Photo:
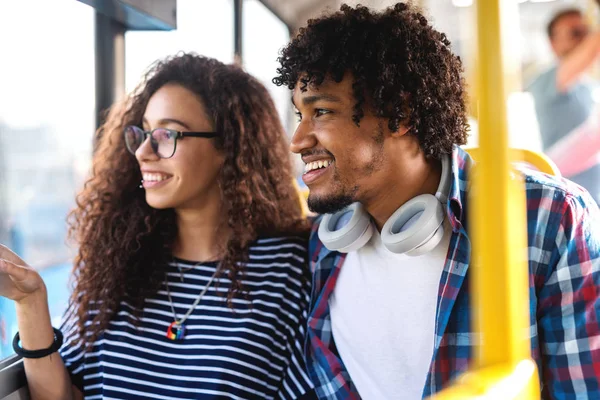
column 564, row 288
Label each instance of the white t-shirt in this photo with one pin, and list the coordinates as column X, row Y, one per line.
column 383, row 318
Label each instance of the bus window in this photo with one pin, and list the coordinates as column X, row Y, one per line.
column 203, row 26
column 263, row 36
column 46, row 127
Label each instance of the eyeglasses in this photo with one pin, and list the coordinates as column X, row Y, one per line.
column 163, row 141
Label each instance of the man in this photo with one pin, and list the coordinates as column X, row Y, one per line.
column 563, row 98
column 381, row 107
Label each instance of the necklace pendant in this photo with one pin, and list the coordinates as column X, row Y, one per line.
column 175, row 331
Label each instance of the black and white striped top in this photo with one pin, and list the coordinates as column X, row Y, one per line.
column 252, row 353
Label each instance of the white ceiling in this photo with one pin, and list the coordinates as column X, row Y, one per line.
column 296, row 12
column 456, row 22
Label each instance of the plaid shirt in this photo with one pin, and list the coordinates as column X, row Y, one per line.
column 564, row 288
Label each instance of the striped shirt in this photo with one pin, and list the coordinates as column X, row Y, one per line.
column 254, row 352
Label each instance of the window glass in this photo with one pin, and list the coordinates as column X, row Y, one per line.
column 203, row 26
column 46, row 127
column 264, row 35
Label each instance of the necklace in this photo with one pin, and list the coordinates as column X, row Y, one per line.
column 184, row 270
column 176, row 331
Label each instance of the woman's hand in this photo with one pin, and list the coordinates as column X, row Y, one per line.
column 18, row 281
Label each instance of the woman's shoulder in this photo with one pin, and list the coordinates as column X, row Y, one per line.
column 283, row 257
column 283, row 248
column 282, row 240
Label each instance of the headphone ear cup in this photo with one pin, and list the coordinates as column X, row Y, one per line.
column 429, row 244
column 347, row 230
column 416, row 227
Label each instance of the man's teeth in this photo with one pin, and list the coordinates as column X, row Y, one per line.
column 154, row 177
column 316, row 165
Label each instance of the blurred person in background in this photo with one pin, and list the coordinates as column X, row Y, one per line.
column 563, row 94
column 191, row 278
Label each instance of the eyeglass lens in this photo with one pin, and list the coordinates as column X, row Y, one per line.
column 162, row 140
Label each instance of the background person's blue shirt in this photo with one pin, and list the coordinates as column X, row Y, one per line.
column 558, row 113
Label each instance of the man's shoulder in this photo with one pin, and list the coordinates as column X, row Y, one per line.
column 539, row 184
column 549, row 195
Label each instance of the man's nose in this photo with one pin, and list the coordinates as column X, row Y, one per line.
column 304, row 138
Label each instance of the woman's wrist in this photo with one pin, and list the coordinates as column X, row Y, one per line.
column 39, row 298
column 34, row 324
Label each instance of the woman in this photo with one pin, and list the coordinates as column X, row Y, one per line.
column 190, row 281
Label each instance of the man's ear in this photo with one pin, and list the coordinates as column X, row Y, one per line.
column 401, row 131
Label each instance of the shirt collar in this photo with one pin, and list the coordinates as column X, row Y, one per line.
column 457, row 199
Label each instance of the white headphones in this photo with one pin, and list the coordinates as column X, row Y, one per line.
column 414, row 229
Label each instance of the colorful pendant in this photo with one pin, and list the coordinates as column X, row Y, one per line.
column 175, row 331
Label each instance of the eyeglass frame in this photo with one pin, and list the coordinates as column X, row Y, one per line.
column 178, row 135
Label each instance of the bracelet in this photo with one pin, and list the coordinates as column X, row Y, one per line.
column 58, row 341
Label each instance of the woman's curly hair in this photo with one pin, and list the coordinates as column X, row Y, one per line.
column 125, row 245
column 402, row 68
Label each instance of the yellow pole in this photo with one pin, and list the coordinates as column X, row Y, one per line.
column 302, row 197
column 499, row 227
column 502, row 367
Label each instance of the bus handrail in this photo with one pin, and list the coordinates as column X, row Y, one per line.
column 540, row 161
